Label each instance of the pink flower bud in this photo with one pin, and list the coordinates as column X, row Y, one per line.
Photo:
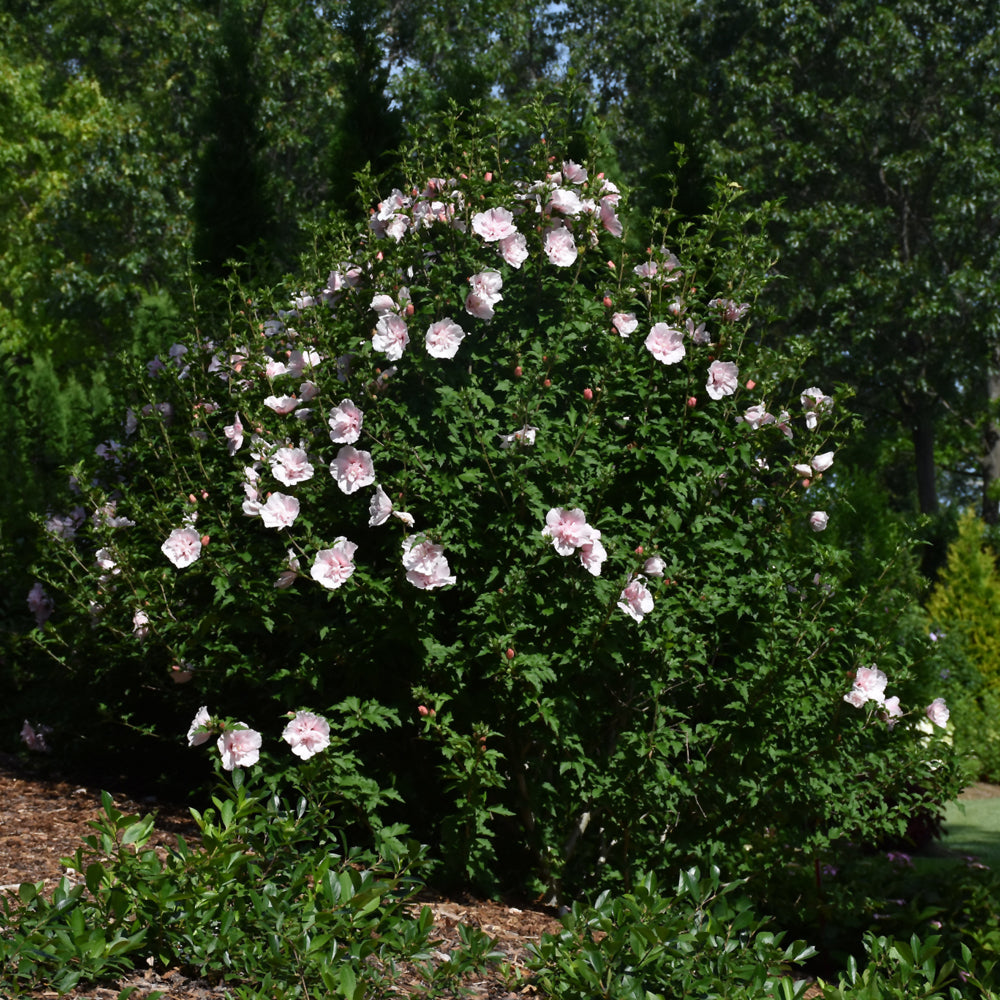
column 639, row 550
column 518, row 371
column 409, row 309
column 751, row 384
column 510, row 653
column 692, row 401
column 422, row 709
column 607, row 299
column 488, row 176
column 205, row 539
column 588, row 394
column 547, row 383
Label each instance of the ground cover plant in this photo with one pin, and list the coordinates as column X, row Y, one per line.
column 509, row 533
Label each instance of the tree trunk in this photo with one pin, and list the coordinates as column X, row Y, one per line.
column 990, row 461
column 923, row 446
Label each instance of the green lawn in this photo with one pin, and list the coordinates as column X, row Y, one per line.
column 973, row 827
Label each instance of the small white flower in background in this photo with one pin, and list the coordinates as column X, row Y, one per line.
column 307, row 734
column 140, row 624
column 526, row 435
column 818, row 520
column 239, row 747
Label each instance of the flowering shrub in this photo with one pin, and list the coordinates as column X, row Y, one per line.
column 543, row 497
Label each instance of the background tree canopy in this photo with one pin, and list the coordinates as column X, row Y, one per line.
column 148, row 145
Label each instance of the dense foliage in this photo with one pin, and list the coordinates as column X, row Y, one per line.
column 568, row 542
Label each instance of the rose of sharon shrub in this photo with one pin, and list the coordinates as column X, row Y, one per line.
column 586, row 556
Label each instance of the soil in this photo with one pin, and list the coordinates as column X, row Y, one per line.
column 42, row 821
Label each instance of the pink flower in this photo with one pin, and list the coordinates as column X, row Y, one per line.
column 892, row 710
column 636, row 600
column 291, row 466
column 730, row 310
column 333, row 567
column 869, row 685
column 39, row 603
column 814, row 402
column 307, row 734
column 723, row 378
column 282, row 404
column 823, row 462
column 379, row 508
column 697, row 333
column 573, row 172
column 234, row 435
column 818, row 520
column 390, row 336
column 443, row 338
column 665, row 344
column 593, row 554
column 654, row 566
column 345, row 423
column 425, row 564
column 609, row 217
column 288, row 576
column 624, row 323
column 200, row 730
column 568, row 530
column 757, row 416
column 494, row 224
column 280, row 511
column 34, row 739
column 514, row 249
column 937, row 712
column 485, row 294
column 239, row 747
column 566, row 202
column 560, row 247
column 140, row 624
column 182, row 547
column 352, row 469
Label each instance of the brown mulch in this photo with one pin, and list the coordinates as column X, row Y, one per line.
column 42, row 820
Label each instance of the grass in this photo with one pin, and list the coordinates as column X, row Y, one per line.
column 973, row 827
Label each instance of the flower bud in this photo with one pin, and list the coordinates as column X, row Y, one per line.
column 205, row 539
column 751, row 384
column 607, row 301
column 518, row 371
column 422, row 709
column 588, row 394
column 692, row 401
column 547, row 383
column 510, row 653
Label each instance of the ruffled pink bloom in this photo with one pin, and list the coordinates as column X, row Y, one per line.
column 697, row 333
column 869, row 685
column 182, row 547
column 723, row 378
column 239, row 747
column 384, row 304
column 666, row 344
column 282, row 404
column 568, row 530
column 352, row 469
column 391, row 336
column 39, row 603
column 609, row 218
column 593, row 554
column 200, row 730
column 654, row 566
column 573, row 172
column 333, row 567
column 493, row 224
column 443, row 338
column 514, row 249
column 425, row 564
column 892, row 710
column 818, row 520
column 234, row 435
column 485, row 294
column 345, row 423
column 757, row 416
column 280, row 511
column 625, row 323
column 731, row 311
column 307, row 734
column 822, row 462
column 636, row 600
column 379, row 508
column 566, row 202
column 291, row 466
column 560, row 247
column 937, row 712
